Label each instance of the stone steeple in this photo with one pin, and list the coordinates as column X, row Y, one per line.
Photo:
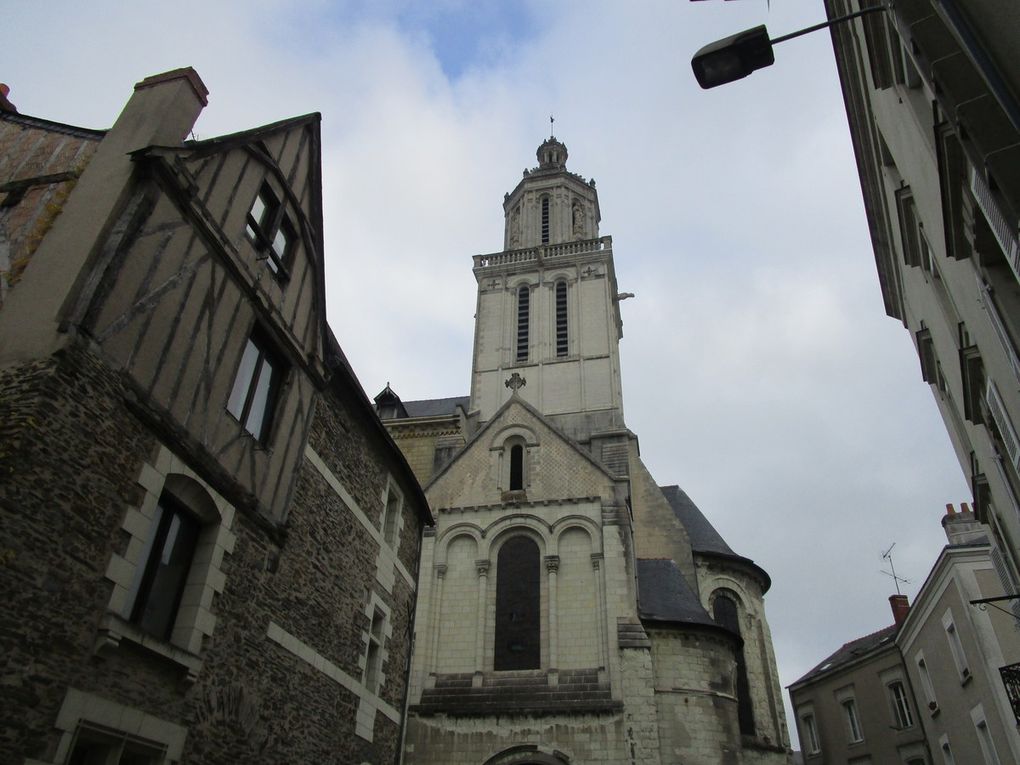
column 548, row 305
column 550, row 205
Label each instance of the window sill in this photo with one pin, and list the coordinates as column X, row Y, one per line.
column 113, row 629
column 248, row 436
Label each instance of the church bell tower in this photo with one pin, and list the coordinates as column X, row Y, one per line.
column 548, row 321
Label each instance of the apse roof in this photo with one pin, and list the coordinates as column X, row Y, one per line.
column 665, row 596
column 703, row 536
column 705, row 540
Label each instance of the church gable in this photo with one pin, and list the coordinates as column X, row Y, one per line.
column 519, row 457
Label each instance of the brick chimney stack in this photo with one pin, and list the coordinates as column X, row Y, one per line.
column 962, row 527
column 900, row 608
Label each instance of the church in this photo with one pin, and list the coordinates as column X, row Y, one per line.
column 570, row 610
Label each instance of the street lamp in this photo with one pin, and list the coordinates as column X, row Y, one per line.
column 733, row 58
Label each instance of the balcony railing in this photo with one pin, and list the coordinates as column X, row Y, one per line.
column 985, row 293
column 1004, row 233
column 1011, row 680
column 542, row 253
column 1002, row 421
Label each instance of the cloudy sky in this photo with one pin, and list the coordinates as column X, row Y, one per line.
column 760, row 371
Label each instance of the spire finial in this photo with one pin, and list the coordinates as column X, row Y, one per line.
column 551, row 121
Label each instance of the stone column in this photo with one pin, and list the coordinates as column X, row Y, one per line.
column 552, row 567
column 600, row 613
column 482, row 567
column 437, row 615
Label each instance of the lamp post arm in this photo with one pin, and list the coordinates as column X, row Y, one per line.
column 826, row 24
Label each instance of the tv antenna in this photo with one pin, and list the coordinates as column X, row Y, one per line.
column 887, row 555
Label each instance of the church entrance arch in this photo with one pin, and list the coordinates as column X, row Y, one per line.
column 528, row 754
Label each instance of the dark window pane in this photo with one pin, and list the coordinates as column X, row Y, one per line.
column 724, row 611
column 258, row 412
column 166, row 570
column 253, row 397
column 516, row 467
column 518, row 606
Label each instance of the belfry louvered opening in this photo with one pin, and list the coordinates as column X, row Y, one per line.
column 523, row 317
column 561, row 318
column 545, row 220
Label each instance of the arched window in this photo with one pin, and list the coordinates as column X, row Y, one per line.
column 516, row 467
column 545, row 220
column 724, row 611
column 518, row 606
column 523, row 317
column 561, row 318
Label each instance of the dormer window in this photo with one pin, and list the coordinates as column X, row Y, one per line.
column 271, row 231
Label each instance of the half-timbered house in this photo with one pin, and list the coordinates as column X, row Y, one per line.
column 208, row 541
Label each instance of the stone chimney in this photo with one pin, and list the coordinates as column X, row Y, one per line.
column 962, row 527
column 160, row 112
column 900, row 608
column 5, row 105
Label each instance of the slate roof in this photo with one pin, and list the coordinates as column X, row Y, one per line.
column 703, row 536
column 705, row 540
column 665, row 596
column 434, row 407
column 850, row 652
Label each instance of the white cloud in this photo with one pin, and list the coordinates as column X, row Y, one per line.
column 759, row 370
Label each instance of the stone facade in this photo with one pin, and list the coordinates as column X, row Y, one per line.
column 931, row 91
column 278, row 545
column 563, row 615
column 845, row 707
column 935, row 686
column 962, row 695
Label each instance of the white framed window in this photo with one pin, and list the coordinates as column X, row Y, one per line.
column 373, row 656
column 984, row 735
column 257, row 383
column 376, row 637
column 853, row 721
column 95, row 730
column 809, row 733
column 926, row 684
column 170, row 571
column 172, row 546
column 902, row 716
column 94, row 745
column 271, row 231
column 392, row 520
column 955, row 646
column 947, row 751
